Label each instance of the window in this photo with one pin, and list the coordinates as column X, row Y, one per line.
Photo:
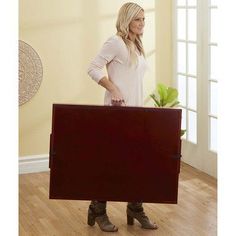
column 213, row 75
column 196, row 69
column 186, row 73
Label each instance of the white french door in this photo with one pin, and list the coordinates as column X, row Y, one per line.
column 196, row 77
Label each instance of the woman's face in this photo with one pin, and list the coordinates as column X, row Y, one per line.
column 137, row 24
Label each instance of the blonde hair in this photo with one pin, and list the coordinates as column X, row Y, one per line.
column 126, row 14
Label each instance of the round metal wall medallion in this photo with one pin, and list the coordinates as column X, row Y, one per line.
column 30, row 72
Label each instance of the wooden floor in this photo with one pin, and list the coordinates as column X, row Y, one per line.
column 195, row 214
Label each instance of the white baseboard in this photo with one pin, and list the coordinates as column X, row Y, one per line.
column 33, row 164
column 40, row 163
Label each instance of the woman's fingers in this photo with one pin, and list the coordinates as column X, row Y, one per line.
column 117, row 102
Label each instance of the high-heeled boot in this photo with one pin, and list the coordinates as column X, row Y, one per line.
column 97, row 213
column 135, row 211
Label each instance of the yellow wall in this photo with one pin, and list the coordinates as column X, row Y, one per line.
column 164, row 59
column 67, row 34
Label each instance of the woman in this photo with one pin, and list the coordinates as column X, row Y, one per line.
column 123, row 55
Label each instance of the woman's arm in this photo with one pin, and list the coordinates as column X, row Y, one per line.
column 116, row 96
column 107, row 53
column 95, row 70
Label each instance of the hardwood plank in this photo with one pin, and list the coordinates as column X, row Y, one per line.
column 195, row 214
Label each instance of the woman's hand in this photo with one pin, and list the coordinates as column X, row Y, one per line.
column 117, row 98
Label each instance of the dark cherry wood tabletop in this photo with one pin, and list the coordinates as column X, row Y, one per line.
column 115, row 153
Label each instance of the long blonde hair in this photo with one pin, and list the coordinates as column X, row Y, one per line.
column 126, row 14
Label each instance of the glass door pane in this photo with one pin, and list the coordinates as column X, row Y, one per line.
column 213, row 98
column 181, row 25
column 192, row 93
column 192, row 59
column 192, row 127
column 181, row 2
column 181, row 57
column 192, row 2
column 192, row 24
column 214, row 2
column 214, row 26
column 184, row 122
column 182, row 90
column 213, row 134
column 215, row 64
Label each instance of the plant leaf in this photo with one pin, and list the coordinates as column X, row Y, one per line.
column 175, row 104
column 172, row 95
column 164, row 103
column 155, row 99
column 183, row 131
column 162, row 90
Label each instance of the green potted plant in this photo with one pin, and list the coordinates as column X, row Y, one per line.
column 166, row 97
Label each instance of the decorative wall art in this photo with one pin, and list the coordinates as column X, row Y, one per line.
column 30, row 72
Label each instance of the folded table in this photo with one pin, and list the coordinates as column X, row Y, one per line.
column 115, row 153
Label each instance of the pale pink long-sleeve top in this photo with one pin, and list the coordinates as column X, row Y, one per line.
column 129, row 79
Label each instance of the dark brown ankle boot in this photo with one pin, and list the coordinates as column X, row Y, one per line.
column 135, row 211
column 97, row 213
